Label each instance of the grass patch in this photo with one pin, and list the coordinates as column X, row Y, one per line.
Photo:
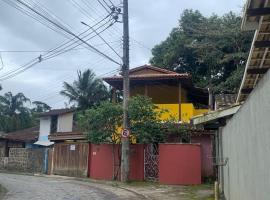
column 142, row 183
column 200, row 192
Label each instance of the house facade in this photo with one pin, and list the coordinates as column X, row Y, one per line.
column 175, row 93
column 58, row 125
column 70, row 150
column 168, row 90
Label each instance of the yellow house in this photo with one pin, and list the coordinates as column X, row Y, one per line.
column 169, row 90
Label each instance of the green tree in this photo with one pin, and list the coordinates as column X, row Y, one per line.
column 40, row 107
column 13, row 104
column 14, row 112
column 87, row 91
column 213, row 49
column 100, row 123
column 145, row 123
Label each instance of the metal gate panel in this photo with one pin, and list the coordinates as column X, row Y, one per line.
column 151, row 161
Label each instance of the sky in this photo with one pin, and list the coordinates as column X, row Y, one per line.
column 150, row 23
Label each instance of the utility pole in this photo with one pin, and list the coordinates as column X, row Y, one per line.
column 125, row 71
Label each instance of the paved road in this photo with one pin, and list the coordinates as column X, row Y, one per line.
column 22, row 187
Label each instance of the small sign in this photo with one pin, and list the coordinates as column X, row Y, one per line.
column 72, row 147
column 125, row 133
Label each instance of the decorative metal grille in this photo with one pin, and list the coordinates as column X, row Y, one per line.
column 151, row 160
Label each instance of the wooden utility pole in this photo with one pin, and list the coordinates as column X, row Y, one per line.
column 125, row 71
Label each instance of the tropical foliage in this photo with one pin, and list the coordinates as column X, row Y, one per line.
column 15, row 113
column 213, row 49
column 145, row 123
column 101, row 122
column 87, row 91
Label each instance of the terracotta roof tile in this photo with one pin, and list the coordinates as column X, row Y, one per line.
column 148, row 77
column 26, row 135
column 154, row 68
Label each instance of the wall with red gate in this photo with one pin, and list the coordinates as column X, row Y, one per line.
column 104, row 162
column 180, row 164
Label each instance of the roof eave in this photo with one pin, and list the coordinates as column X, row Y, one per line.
column 215, row 115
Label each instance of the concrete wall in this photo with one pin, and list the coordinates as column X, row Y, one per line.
column 246, row 144
column 65, row 123
column 44, row 128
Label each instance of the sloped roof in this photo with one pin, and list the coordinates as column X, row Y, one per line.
column 214, row 116
column 57, row 112
column 25, row 135
column 256, row 17
column 151, row 68
column 149, row 73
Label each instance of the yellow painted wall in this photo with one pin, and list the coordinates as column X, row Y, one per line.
column 166, row 98
column 170, row 111
column 200, row 111
column 160, row 94
column 187, row 111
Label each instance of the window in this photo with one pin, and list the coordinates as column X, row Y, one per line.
column 54, row 120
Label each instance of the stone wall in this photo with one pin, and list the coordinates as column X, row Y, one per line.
column 2, row 152
column 25, row 160
column 2, row 148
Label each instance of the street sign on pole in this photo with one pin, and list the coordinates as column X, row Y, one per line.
column 125, row 133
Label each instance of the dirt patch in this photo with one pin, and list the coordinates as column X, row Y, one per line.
column 3, row 192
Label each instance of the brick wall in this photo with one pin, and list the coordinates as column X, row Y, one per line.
column 26, row 160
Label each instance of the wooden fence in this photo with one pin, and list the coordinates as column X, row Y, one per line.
column 71, row 159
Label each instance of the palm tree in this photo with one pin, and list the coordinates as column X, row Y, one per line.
column 86, row 91
column 13, row 113
column 13, row 104
column 40, row 107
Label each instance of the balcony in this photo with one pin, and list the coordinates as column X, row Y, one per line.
column 187, row 111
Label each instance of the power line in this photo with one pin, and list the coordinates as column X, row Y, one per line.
column 47, row 51
column 52, row 51
column 86, row 12
column 103, row 6
column 46, row 10
column 67, row 31
column 61, row 52
column 58, row 95
column 14, row 5
column 30, row 64
column 98, row 34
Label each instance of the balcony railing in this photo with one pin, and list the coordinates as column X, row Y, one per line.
column 183, row 113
